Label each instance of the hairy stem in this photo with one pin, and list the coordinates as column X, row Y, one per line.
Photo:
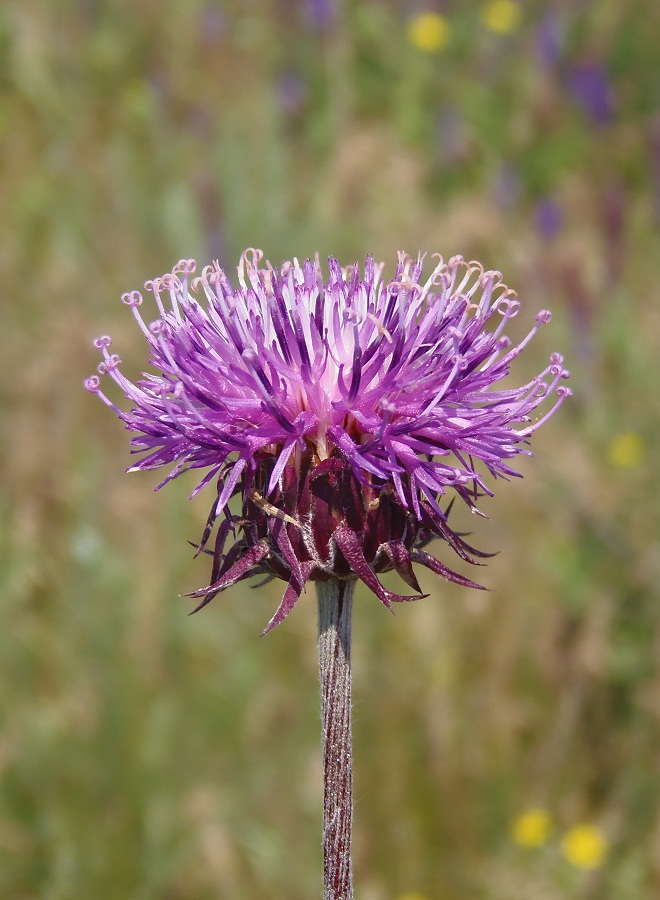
column 335, row 603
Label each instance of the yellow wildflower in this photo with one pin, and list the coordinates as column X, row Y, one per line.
column 626, row 450
column 428, row 31
column 532, row 828
column 584, row 846
column 501, row 16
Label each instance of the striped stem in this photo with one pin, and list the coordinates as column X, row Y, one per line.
column 335, row 601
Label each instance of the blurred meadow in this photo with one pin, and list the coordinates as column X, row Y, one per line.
column 507, row 743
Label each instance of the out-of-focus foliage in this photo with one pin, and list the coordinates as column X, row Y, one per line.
column 150, row 756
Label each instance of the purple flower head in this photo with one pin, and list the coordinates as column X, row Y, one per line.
column 292, row 94
column 322, row 14
column 339, row 411
column 549, row 39
column 590, row 85
column 548, row 218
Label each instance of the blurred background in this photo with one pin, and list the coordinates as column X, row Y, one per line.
column 507, row 744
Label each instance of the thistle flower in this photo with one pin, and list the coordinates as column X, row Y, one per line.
column 343, row 411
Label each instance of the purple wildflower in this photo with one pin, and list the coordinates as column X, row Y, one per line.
column 548, row 218
column 590, row 84
column 322, row 13
column 292, row 94
column 341, row 412
column 549, row 40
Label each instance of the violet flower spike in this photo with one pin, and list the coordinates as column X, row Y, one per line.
column 339, row 411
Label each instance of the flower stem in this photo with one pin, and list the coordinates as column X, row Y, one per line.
column 335, row 599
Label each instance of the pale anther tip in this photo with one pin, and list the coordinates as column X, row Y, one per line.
column 132, row 298
column 92, row 384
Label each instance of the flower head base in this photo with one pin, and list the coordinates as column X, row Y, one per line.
column 339, row 410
